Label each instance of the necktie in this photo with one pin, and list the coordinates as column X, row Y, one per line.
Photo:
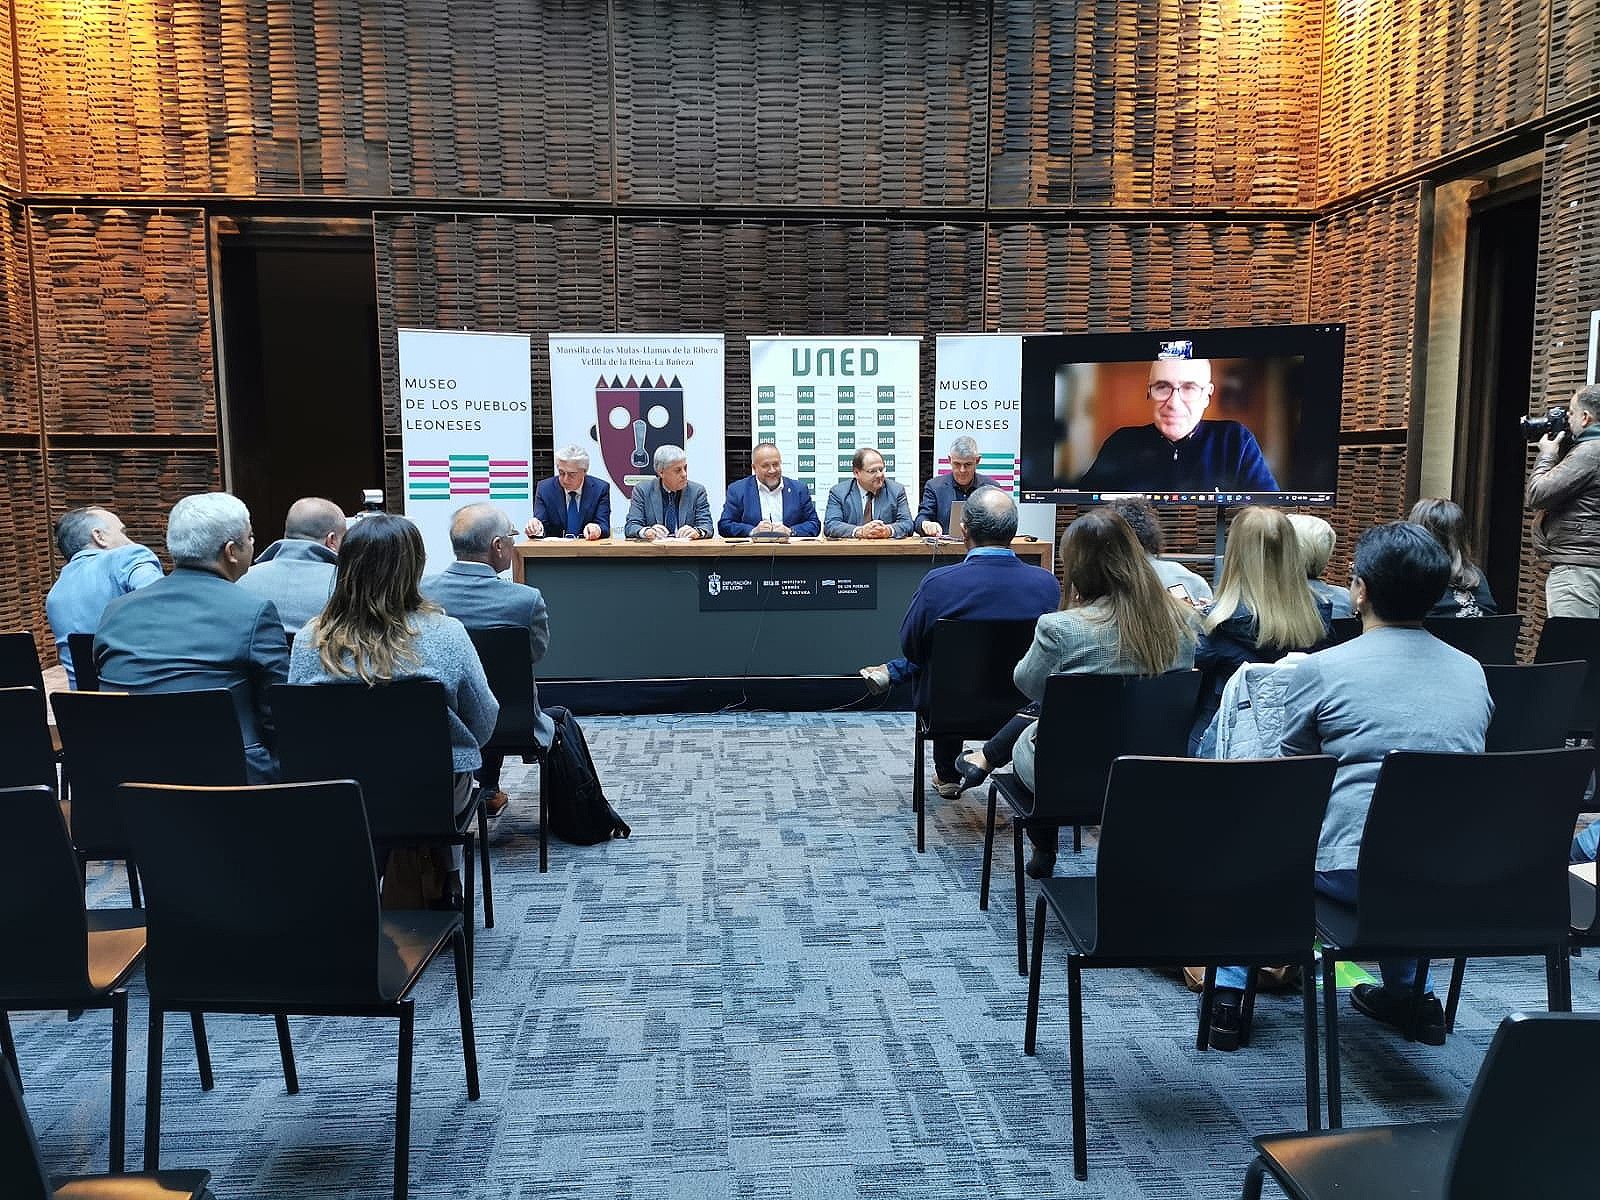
column 572, row 515
column 671, row 513
column 866, row 510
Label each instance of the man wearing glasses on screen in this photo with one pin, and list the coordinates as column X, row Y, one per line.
column 1178, row 451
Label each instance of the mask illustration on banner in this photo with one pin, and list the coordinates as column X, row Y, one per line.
column 635, row 418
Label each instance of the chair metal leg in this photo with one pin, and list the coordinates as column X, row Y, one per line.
column 1253, row 1175
column 469, row 1044
column 467, row 918
column 919, row 795
column 483, row 857
column 1080, row 1124
column 291, row 1078
column 1555, row 997
column 135, row 896
column 1330, row 1010
column 1418, row 990
column 1077, row 839
column 402, row 1100
column 1566, row 980
column 988, row 852
column 119, row 1080
column 916, row 770
column 8, row 1047
column 202, row 1051
column 152, row 1090
column 1031, row 1031
column 544, row 816
column 1208, row 989
column 1308, row 1014
column 1453, row 998
column 1022, row 897
column 1247, row 1006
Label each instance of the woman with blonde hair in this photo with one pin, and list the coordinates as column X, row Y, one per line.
column 1467, row 594
column 1317, row 540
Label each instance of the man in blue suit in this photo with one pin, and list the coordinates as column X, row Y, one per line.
column 990, row 584
column 868, row 505
column 766, row 502
column 571, row 505
column 671, row 504
column 933, row 517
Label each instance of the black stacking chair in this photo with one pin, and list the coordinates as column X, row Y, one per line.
column 394, row 740
column 970, row 692
column 507, row 659
column 1151, row 903
column 60, row 955
column 1344, row 629
column 1085, row 723
column 227, row 936
column 1566, row 639
column 19, row 661
column 1525, row 1131
column 1487, row 639
column 85, row 671
column 22, row 1166
column 1463, row 856
column 27, row 756
column 1533, row 704
column 112, row 738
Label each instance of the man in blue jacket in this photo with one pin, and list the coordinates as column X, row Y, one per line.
column 103, row 562
column 571, row 505
column 933, row 517
column 296, row 572
column 765, row 501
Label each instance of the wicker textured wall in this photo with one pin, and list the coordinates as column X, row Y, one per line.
column 10, row 160
column 1574, row 51
column 19, row 401
column 24, row 545
column 139, row 485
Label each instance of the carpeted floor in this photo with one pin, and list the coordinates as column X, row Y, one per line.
column 766, row 992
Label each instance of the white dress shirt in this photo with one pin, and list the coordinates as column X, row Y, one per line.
column 771, row 502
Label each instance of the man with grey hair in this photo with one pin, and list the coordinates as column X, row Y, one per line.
column 102, row 563
column 1565, row 486
column 195, row 630
column 671, row 504
column 990, row 584
column 933, row 517
column 571, row 504
column 296, row 573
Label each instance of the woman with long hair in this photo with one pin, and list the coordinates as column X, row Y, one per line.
column 1467, row 594
column 378, row 627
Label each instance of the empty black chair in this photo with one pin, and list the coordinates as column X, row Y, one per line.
column 1525, row 1131
column 1151, row 903
column 1568, row 639
column 1487, row 639
column 58, row 954
column 1533, row 704
column 19, row 661
column 507, row 660
column 112, row 738
column 1345, row 628
column 1085, row 723
column 970, row 693
column 1463, row 856
column 226, row 935
column 85, row 671
column 27, row 756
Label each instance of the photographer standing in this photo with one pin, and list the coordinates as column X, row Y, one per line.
column 1565, row 484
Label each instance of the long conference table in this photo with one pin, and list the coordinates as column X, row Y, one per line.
column 681, row 625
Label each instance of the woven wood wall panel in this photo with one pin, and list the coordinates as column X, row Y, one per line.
column 124, row 304
column 140, row 486
column 388, row 97
column 1365, row 265
column 10, row 152
column 24, row 545
column 1574, row 51
column 1408, row 81
column 1155, row 102
column 19, row 397
column 510, row 274
column 726, row 101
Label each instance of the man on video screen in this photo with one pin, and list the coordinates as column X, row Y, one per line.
column 1178, row 451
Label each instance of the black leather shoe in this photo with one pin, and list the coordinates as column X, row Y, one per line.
column 972, row 775
column 1225, row 1007
column 1040, row 865
column 1394, row 1009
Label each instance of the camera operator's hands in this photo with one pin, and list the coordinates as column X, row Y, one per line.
column 1550, row 444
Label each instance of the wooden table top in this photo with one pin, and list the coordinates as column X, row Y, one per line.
column 912, row 547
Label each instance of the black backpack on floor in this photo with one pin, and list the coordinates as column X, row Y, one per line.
column 579, row 811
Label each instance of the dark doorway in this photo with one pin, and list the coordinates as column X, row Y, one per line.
column 1496, row 367
column 303, row 414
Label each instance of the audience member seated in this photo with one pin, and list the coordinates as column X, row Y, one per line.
column 671, row 505
column 571, row 504
column 767, row 501
column 471, row 590
column 378, row 627
column 1263, row 608
column 1395, row 687
column 1116, row 619
column 195, row 629
column 1316, row 540
column 867, row 505
column 296, row 573
column 1140, row 515
column 1467, row 594
column 103, row 562
column 940, row 492
column 990, row 584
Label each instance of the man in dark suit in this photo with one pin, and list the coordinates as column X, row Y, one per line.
column 868, row 505
column 471, row 590
column 195, row 630
column 671, row 504
column 933, row 517
column 990, row 584
column 571, row 505
column 767, row 502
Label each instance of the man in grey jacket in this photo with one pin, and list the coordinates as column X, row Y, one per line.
column 671, row 505
column 1565, row 485
column 296, row 573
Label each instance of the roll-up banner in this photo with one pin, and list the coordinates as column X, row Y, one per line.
column 621, row 396
column 819, row 400
column 1594, row 348
column 978, row 394
column 466, row 428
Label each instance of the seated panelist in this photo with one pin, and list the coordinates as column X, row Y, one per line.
column 933, row 516
column 571, row 505
column 766, row 502
column 869, row 505
column 671, row 504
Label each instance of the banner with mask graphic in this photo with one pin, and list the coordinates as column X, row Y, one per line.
column 466, row 429
column 820, row 399
column 978, row 394
column 622, row 396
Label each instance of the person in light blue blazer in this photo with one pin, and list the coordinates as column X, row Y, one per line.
column 940, row 492
column 868, row 505
column 765, row 501
column 671, row 504
column 571, row 504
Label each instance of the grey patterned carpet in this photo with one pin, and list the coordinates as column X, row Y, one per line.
column 766, row 993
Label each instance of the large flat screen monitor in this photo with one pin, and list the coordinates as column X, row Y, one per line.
column 1183, row 416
